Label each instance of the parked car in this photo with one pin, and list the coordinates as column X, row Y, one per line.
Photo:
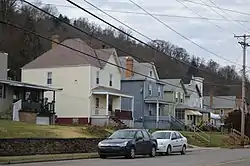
column 128, row 143
column 170, row 141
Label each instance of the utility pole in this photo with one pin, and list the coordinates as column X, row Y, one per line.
column 244, row 45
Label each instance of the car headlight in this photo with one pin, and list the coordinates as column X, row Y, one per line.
column 100, row 144
column 123, row 144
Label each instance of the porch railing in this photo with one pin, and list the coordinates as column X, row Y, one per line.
column 39, row 107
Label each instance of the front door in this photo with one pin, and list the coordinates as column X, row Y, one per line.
column 139, row 143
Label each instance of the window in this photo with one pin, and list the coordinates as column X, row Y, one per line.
column 139, row 134
column 97, row 77
column 174, row 136
column 146, row 135
column 151, row 73
column 176, row 96
column 150, row 89
column 97, row 102
column 49, row 78
column 150, row 109
column 181, row 97
column 110, row 79
column 178, row 135
column 159, row 91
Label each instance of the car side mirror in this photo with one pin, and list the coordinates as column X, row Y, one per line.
column 173, row 138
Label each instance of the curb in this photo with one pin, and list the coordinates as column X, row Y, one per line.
column 49, row 160
column 200, row 149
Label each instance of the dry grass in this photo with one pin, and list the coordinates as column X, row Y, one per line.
column 10, row 129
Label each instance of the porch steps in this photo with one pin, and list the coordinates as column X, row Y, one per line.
column 118, row 122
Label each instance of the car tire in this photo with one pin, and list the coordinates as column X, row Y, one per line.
column 131, row 154
column 153, row 152
column 183, row 151
column 103, row 156
column 168, row 151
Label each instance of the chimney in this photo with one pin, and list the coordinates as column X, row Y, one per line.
column 54, row 38
column 129, row 67
column 3, row 65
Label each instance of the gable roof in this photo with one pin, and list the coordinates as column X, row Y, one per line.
column 173, row 84
column 142, row 68
column 63, row 56
column 192, row 88
column 220, row 102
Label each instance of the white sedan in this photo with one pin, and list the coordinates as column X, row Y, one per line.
column 170, row 142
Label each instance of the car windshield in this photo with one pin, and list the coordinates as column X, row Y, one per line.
column 161, row 135
column 123, row 134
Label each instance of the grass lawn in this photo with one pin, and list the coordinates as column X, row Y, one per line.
column 217, row 139
column 10, row 129
column 39, row 158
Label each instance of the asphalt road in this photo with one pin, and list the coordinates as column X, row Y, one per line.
column 223, row 157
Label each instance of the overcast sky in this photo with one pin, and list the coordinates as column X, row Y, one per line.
column 216, row 36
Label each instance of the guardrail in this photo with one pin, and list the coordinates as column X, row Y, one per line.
column 236, row 132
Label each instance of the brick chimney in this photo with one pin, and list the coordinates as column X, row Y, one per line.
column 54, row 38
column 129, row 66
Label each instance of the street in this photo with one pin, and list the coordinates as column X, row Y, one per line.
column 224, row 157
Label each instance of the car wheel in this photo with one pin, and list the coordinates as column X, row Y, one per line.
column 168, row 151
column 153, row 152
column 131, row 154
column 183, row 151
column 103, row 156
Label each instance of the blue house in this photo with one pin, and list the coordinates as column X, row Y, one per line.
column 142, row 81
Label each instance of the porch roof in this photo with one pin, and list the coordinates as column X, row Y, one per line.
column 28, row 85
column 155, row 100
column 192, row 112
column 105, row 90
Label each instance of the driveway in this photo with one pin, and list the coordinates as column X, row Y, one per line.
column 224, row 157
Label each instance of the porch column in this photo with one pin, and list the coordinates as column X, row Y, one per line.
column 120, row 104
column 107, row 104
column 157, row 113
column 132, row 107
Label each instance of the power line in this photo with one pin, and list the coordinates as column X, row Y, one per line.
column 155, row 14
column 106, row 42
column 135, row 31
column 203, row 48
column 95, row 57
column 242, row 25
column 225, row 9
column 182, row 3
column 109, row 43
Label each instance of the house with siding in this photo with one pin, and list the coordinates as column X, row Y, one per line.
column 141, row 80
column 174, row 94
column 24, row 101
column 192, row 111
column 222, row 105
column 91, row 82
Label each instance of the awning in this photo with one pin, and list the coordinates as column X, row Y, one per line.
column 215, row 116
column 195, row 113
column 154, row 100
column 100, row 90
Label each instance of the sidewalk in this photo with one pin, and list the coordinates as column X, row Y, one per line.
column 45, row 158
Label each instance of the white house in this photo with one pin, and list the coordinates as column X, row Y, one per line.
column 91, row 87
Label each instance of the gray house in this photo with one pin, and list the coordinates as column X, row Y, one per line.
column 147, row 90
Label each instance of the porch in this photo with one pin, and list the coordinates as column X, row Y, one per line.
column 189, row 115
column 28, row 102
column 106, row 107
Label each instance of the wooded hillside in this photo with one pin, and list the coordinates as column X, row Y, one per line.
column 23, row 47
